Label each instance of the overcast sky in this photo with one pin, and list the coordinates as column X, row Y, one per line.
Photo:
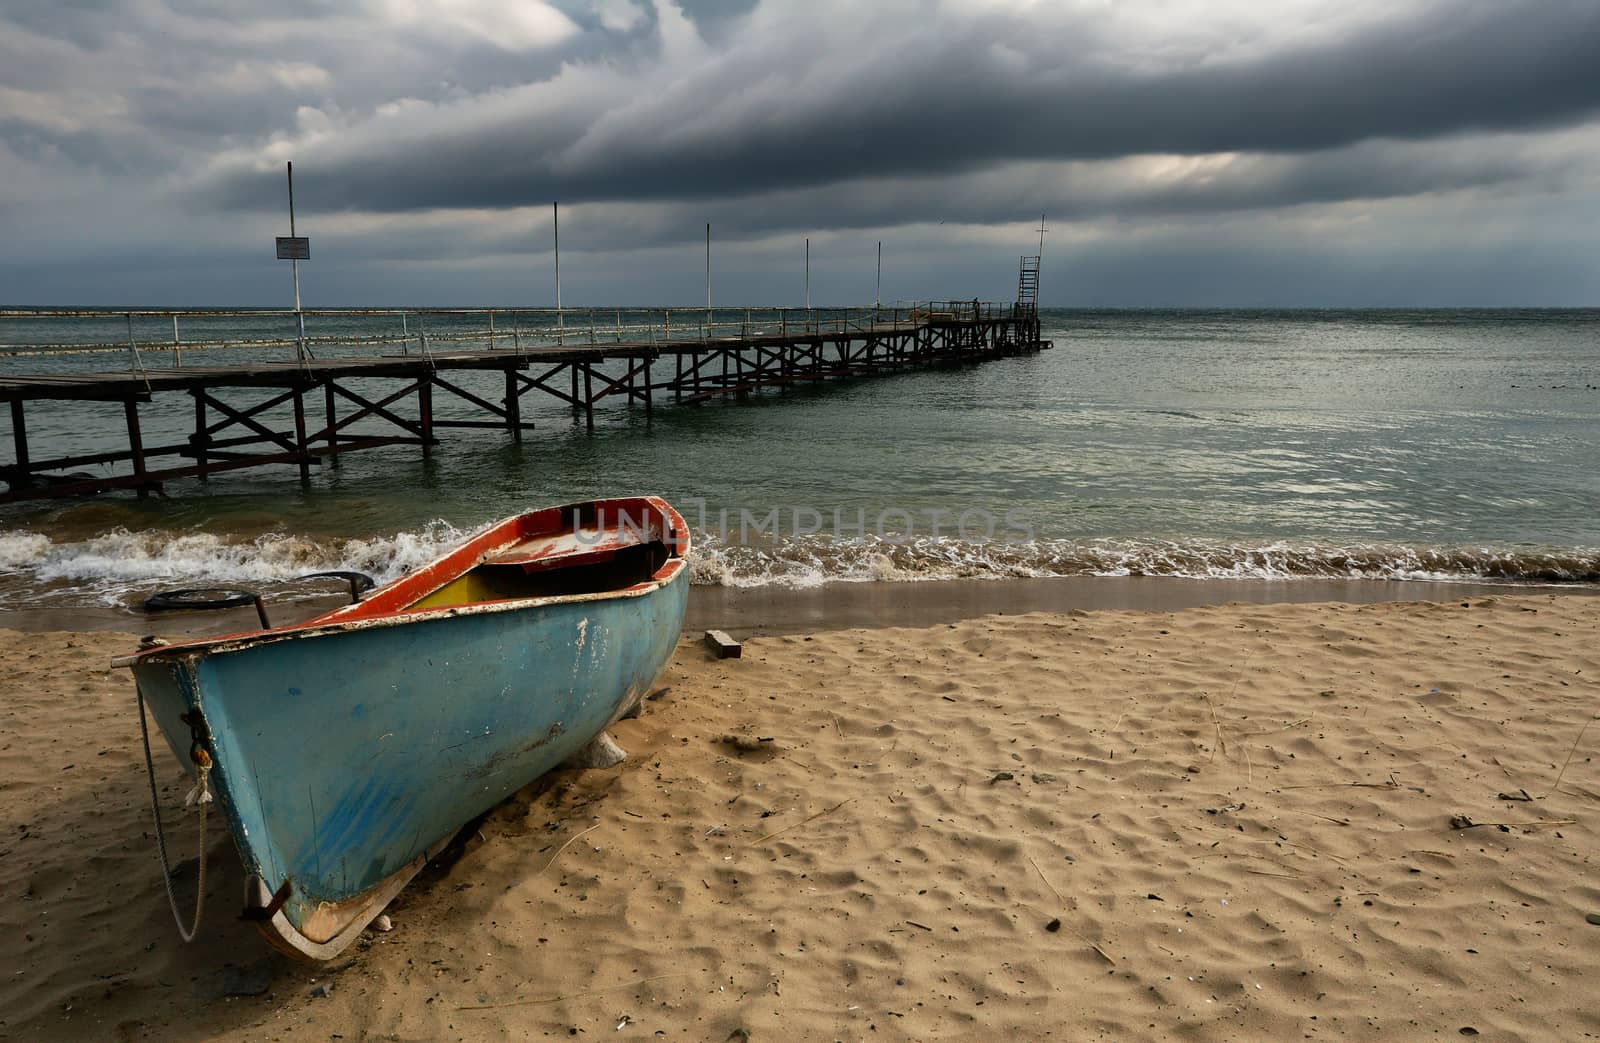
column 1187, row 152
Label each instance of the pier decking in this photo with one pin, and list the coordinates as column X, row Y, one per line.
column 323, row 405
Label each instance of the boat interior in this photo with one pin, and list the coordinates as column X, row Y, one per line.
column 608, row 546
column 587, row 553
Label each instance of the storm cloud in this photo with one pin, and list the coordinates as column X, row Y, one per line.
column 781, row 109
column 1401, row 132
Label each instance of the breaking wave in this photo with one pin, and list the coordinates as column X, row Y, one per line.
column 118, row 565
column 813, row 561
column 121, row 566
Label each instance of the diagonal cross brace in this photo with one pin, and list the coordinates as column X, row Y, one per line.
column 370, row 408
column 541, row 382
column 610, row 385
column 246, row 418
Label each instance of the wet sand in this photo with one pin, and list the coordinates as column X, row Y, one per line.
column 787, row 610
column 749, row 610
column 1219, row 822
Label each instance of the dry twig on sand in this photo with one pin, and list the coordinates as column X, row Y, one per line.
column 575, row 995
column 1520, row 825
column 1075, row 932
column 802, row 822
column 1046, row 880
column 1325, row 818
column 1554, row 785
column 1340, row 785
column 1232, row 690
column 1217, row 725
column 563, row 847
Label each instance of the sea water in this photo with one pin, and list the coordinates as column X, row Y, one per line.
column 1233, row 443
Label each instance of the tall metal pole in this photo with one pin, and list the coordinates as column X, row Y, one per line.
column 808, row 273
column 294, row 269
column 1041, row 265
column 555, row 218
column 877, row 300
column 708, row 278
column 1036, row 280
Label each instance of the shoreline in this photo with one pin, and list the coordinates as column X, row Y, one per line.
column 844, row 606
column 748, row 611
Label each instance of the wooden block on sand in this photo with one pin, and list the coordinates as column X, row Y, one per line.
column 722, row 645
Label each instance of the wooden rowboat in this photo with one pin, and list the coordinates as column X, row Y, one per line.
column 346, row 750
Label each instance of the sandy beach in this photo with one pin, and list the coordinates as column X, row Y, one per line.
column 1237, row 821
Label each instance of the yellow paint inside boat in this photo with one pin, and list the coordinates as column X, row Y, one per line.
column 484, row 583
column 552, row 566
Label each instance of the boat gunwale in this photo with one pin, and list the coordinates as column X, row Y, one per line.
column 670, row 571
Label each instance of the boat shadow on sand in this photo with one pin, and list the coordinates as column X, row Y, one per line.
column 97, row 951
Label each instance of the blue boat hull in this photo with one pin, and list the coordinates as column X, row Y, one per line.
column 343, row 757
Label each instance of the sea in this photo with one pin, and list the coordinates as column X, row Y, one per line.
column 1437, row 445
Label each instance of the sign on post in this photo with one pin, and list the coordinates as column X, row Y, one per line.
column 294, row 248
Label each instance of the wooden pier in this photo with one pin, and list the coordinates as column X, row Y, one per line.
column 318, row 392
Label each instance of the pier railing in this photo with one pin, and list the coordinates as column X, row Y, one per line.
column 169, row 335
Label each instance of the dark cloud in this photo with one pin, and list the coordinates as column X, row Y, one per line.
column 1310, row 151
column 1110, row 189
column 85, row 23
column 714, row 17
column 953, row 100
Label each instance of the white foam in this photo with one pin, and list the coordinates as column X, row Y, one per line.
column 117, row 566
column 114, row 565
column 803, row 562
column 21, row 549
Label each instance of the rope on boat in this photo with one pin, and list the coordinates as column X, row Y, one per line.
column 200, row 794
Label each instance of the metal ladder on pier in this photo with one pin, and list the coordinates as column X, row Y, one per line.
column 1028, row 285
column 1026, row 310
